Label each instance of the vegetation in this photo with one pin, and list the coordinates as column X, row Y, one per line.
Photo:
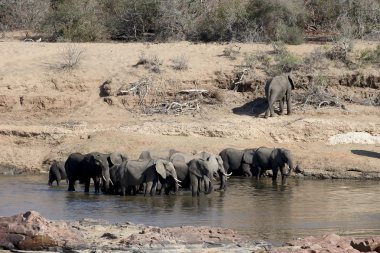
column 213, row 20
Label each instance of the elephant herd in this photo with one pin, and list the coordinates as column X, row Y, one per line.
column 115, row 173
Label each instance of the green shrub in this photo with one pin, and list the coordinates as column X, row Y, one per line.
column 290, row 34
column 76, row 21
column 285, row 60
column 370, row 56
column 249, row 60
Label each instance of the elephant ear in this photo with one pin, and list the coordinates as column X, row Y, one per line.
column 248, row 156
column 195, row 167
column 160, row 168
column 116, row 158
column 291, row 81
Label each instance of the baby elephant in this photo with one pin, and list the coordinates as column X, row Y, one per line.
column 57, row 172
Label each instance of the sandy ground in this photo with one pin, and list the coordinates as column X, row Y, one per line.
column 47, row 112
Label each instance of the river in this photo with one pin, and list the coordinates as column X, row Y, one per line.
column 261, row 210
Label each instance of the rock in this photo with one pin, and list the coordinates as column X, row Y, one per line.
column 367, row 245
column 30, row 231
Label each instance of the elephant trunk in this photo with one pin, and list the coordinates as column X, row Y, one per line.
column 106, row 179
column 209, row 187
column 291, row 167
column 223, row 180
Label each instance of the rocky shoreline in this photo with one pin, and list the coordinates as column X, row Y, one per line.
column 32, row 232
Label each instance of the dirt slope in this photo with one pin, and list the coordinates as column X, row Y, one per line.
column 47, row 112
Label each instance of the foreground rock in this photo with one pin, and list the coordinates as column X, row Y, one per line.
column 30, row 231
column 330, row 243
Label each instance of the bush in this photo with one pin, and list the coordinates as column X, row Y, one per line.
column 76, row 21
column 152, row 62
column 249, row 60
column 70, row 57
column 285, row 60
column 23, row 14
column 340, row 50
column 180, row 63
column 369, row 56
column 231, row 52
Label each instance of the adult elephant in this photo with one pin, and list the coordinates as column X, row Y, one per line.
column 194, row 173
column 238, row 162
column 93, row 166
column 134, row 173
column 215, row 163
column 115, row 160
column 274, row 159
column 57, row 172
column 279, row 88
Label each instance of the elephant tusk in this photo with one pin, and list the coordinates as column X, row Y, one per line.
column 177, row 180
column 227, row 175
column 179, row 185
column 105, row 180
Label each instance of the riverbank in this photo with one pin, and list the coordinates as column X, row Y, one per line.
column 48, row 112
column 31, row 231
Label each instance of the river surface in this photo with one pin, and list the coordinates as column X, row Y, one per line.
column 261, row 210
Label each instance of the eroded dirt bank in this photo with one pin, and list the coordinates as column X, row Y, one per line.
column 31, row 231
column 47, row 112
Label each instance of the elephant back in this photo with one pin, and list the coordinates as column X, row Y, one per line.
column 181, row 158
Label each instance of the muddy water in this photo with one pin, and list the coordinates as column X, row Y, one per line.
column 261, row 210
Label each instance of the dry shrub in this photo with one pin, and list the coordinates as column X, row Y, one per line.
column 340, row 50
column 151, row 62
column 71, row 56
column 180, row 63
column 316, row 61
column 319, row 95
column 231, row 52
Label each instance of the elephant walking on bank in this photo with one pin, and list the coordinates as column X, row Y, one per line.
column 279, row 88
column 238, row 162
column 274, row 159
column 133, row 173
column 57, row 172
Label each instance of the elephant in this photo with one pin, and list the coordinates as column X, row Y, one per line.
column 90, row 166
column 238, row 162
column 279, row 88
column 215, row 162
column 133, row 173
column 115, row 160
column 193, row 172
column 274, row 159
column 57, row 172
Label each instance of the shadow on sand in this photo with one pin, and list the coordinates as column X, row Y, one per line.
column 255, row 108
column 366, row 153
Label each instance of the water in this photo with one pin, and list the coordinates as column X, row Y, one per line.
column 261, row 210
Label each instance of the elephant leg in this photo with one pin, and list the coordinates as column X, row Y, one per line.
column 87, row 185
column 281, row 103
column 154, row 188
column 274, row 172
column 123, row 190
column 258, row 173
column 288, row 103
column 148, row 188
column 71, row 186
column 247, row 170
column 97, row 184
